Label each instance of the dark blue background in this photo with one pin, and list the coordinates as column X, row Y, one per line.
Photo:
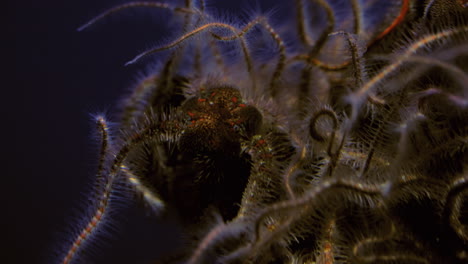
column 59, row 78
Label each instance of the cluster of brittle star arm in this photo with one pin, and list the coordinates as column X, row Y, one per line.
column 209, row 123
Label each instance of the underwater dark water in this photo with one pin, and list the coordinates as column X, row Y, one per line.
column 61, row 76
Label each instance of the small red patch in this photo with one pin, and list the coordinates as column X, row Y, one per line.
column 242, row 105
column 201, row 100
column 234, row 99
column 260, row 142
